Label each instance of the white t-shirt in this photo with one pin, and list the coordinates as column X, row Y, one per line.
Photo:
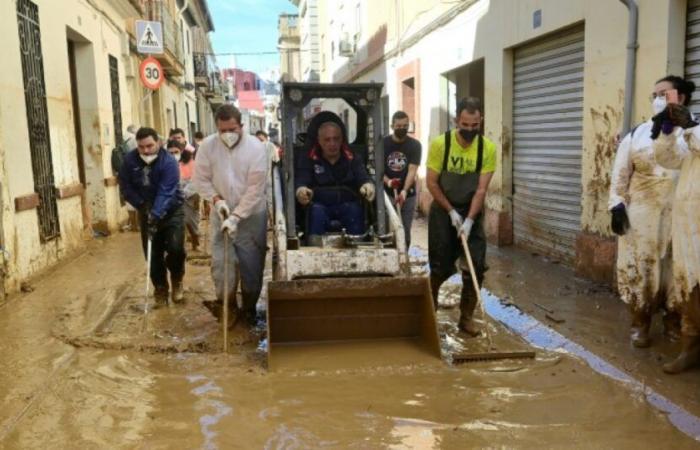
column 237, row 175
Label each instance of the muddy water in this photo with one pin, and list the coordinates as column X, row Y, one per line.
column 79, row 371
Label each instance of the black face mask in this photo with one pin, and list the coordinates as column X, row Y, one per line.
column 400, row 132
column 468, row 135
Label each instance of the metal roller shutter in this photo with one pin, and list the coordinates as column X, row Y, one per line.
column 547, row 144
column 692, row 49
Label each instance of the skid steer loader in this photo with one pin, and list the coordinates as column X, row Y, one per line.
column 343, row 291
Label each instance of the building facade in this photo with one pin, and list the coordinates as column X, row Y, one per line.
column 69, row 88
column 552, row 78
column 289, row 47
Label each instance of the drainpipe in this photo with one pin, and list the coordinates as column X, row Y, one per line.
column 631, row 63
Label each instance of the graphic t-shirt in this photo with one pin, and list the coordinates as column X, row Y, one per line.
column 397, row 157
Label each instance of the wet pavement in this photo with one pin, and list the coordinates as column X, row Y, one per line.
column 81, row 369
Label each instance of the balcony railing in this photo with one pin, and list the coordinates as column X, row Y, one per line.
column 158, row 10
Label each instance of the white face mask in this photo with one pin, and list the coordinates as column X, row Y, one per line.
column 177, row 156
column 229, row 138
column 659, row 104
column 148, row 159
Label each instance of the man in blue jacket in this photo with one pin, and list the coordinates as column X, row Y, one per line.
column 149, row 179
column 335, row 178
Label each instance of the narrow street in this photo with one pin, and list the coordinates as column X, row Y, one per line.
column 80, row 372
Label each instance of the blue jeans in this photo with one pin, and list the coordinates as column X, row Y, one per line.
column 349, row 214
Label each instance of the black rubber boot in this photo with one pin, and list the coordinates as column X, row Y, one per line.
column 435, row 283
column 467, row 305
column 160, row 296
column 689, row 356
column 672, row 326
column 178, row 292
column 639, row 331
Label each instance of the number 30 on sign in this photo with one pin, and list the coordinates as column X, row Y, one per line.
column 151, row 72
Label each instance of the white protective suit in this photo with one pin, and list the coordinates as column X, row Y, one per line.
column 644, row 257
column 685, row 156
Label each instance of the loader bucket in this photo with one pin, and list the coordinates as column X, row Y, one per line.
column 311, row 320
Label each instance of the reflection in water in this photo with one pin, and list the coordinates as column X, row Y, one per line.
column 208, row 394
column 415, row 433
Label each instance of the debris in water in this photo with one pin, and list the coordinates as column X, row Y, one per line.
column 554, row 318
column 544, row 308
column 26, row 287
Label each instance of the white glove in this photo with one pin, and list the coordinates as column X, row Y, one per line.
column 367, row 191
column 221, row 209
column 230, row 226
column 456, row 219
column 466, row 227
column 304, row 195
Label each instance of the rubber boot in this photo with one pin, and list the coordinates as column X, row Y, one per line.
column 133, row 221
column 672, row 326
column 250, row 300
column 161, row 296
column 639, row 331
column 689, row 356
column 466, row 306
column 178, row 292
column 435, row 283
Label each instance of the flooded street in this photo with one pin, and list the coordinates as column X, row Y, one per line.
column 80, row 371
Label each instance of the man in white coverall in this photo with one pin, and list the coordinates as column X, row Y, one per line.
column 231, row 172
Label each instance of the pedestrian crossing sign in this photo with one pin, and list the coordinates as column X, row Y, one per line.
column 149, row 37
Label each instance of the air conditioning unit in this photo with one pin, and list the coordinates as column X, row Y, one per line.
column 346, row 47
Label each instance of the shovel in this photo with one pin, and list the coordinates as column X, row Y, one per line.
column 149, row 251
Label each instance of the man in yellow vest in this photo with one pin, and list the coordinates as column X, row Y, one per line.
column 460, row 166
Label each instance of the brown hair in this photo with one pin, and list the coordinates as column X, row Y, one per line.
column 227, row 112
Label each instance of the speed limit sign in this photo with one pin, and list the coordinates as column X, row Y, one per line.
column 151, row 72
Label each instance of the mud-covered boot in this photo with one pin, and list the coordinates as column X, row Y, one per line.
column 689, row 356
column 672, row 326
column 639, row 331
column 178, row 292
column 467, row 305
column 435, row 283
column 160, row 295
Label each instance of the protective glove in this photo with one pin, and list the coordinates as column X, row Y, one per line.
column 230, row 226
column 680, row 116
column 393, row 183
column 367, row 191
column 658, row 121
column 466, row 227
column 221, row 209
column 153, row 223
column 304, row 195
column 620, row 223
column 456, row 219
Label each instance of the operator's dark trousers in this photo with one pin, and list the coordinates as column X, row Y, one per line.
column 168, row 248
column 445, row 248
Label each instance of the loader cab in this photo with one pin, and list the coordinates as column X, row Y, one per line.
column 303, row 109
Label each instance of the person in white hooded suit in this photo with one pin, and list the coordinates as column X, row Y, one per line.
column 641, row 200
column 677, row 121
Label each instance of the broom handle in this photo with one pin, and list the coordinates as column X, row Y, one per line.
column 225, row 296
column 475, row 283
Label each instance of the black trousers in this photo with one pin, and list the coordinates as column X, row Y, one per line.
column 445, row 248
column 168, row 247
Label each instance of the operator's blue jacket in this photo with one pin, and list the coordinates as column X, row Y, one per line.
column 338, row 183
column 155, row 186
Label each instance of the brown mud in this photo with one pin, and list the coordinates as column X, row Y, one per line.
column 79, row 371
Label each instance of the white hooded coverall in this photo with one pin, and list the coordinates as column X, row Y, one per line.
column 644, row 258
column 684, row 155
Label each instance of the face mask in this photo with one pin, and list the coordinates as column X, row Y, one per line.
column 468, row 135
column 400, row 133
column 148, row 159
column 659, row 104
column 229, row 138
column 177, row 156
